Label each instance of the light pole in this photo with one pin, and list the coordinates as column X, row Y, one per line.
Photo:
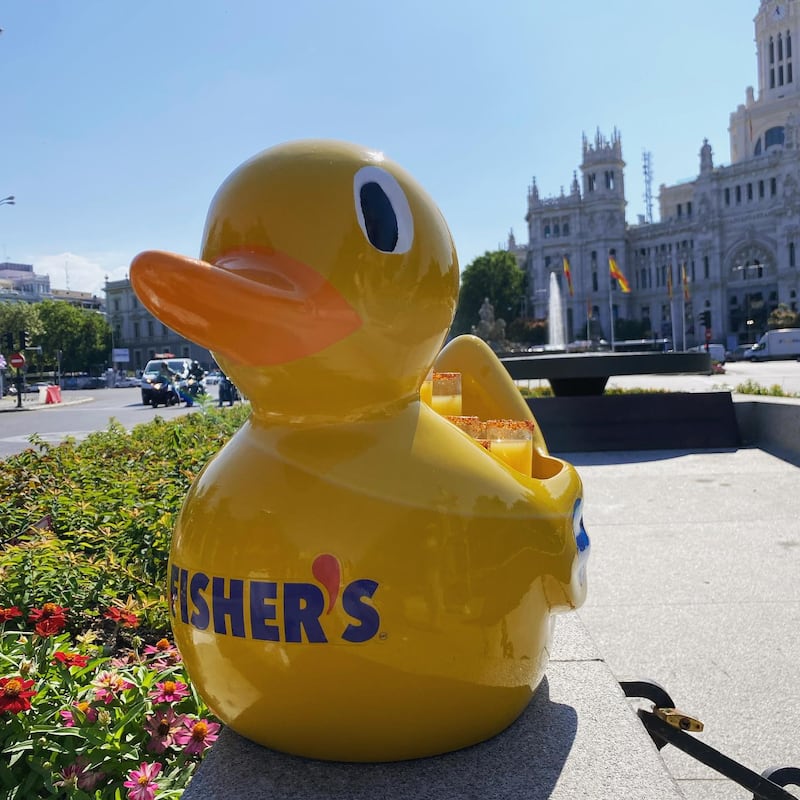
column 8, row 201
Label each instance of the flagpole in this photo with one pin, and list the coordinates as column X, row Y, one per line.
column 683, row 308
column 564, row 301
column 671, row 306
column 610, row 309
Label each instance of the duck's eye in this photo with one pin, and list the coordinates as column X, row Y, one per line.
column 382, row 210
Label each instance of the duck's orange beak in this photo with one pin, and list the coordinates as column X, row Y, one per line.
column 257, row 308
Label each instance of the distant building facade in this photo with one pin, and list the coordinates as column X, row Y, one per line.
column 20, row 282
column 734, row 229
column 135, row 329
column 86, row 300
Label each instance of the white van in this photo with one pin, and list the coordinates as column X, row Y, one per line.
column 780, row 343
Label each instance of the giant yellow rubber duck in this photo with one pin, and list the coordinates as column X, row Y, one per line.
column 353, row 578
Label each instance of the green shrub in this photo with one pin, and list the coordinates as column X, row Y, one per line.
column 83, row 524
column 751, row 387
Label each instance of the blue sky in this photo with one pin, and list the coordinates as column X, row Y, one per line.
column 122, row 118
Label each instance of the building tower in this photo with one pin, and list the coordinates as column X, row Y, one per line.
column 604, row 204
column 760, row 123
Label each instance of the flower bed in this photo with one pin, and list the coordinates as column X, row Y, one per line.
column 94, row 699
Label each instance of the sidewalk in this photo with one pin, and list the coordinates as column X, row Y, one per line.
column 31, row 402
column 694, row 584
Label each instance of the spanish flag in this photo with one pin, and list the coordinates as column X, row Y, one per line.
column 669, row 280
column 617, row 275
column 568, row 276
column 685, row 280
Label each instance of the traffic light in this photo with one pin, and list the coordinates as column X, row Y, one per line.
column 705, row 318
column 8, row 338
column 24, row 340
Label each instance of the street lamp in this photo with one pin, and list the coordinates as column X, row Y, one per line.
column 7, row 201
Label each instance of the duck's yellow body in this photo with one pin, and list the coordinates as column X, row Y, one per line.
column 352, row 577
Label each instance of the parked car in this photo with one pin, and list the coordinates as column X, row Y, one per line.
column 737, row 354
column 126, row 382
column 716, row 351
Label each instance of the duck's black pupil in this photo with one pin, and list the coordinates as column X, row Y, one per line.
column 379, row 217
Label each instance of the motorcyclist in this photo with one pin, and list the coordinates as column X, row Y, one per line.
column 194, row 382
column 169, row 377
column 196, row 371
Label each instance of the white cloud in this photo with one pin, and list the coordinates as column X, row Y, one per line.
column 82, row 273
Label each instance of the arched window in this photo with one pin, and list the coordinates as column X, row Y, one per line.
column 546, row 231
column 751, row 262
column 773, row 137
column 788, row 44
column 771, row 50
column 780, row 47
column 565, row 228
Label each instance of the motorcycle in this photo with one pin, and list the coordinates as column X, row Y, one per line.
column 162, row 394
column 190, row 389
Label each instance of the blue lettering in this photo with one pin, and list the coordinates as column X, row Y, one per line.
column 182, row 588
column 200, row 600
column 368, row 618
column 303, row 603
column 261, row 611
column 197, row 586
column 228, row 606
column 173, row 588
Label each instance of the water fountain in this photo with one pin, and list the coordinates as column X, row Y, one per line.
column 556, row 336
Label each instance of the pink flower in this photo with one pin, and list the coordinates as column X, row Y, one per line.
column 162, row 727
column 125, row 661
column 77, row 775
column 140, row 782
column 69, row 716
column 108, row 685
column 169, row 692
column 167, row 653
column 197, row 735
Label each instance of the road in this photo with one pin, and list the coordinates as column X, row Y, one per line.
column 78, row 419
column 83, row 412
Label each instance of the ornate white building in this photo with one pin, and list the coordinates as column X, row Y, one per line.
column 736, row 228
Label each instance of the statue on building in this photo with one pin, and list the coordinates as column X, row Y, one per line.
column 706, row 159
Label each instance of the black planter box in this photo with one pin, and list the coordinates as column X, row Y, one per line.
column 647, row 421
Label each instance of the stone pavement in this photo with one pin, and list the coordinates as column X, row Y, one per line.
column 694, row 583
column 578, row 738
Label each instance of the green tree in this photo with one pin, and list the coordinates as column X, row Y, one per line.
column 82, row 336
column 17, row 316
column 783, row 317
column 494, row 275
